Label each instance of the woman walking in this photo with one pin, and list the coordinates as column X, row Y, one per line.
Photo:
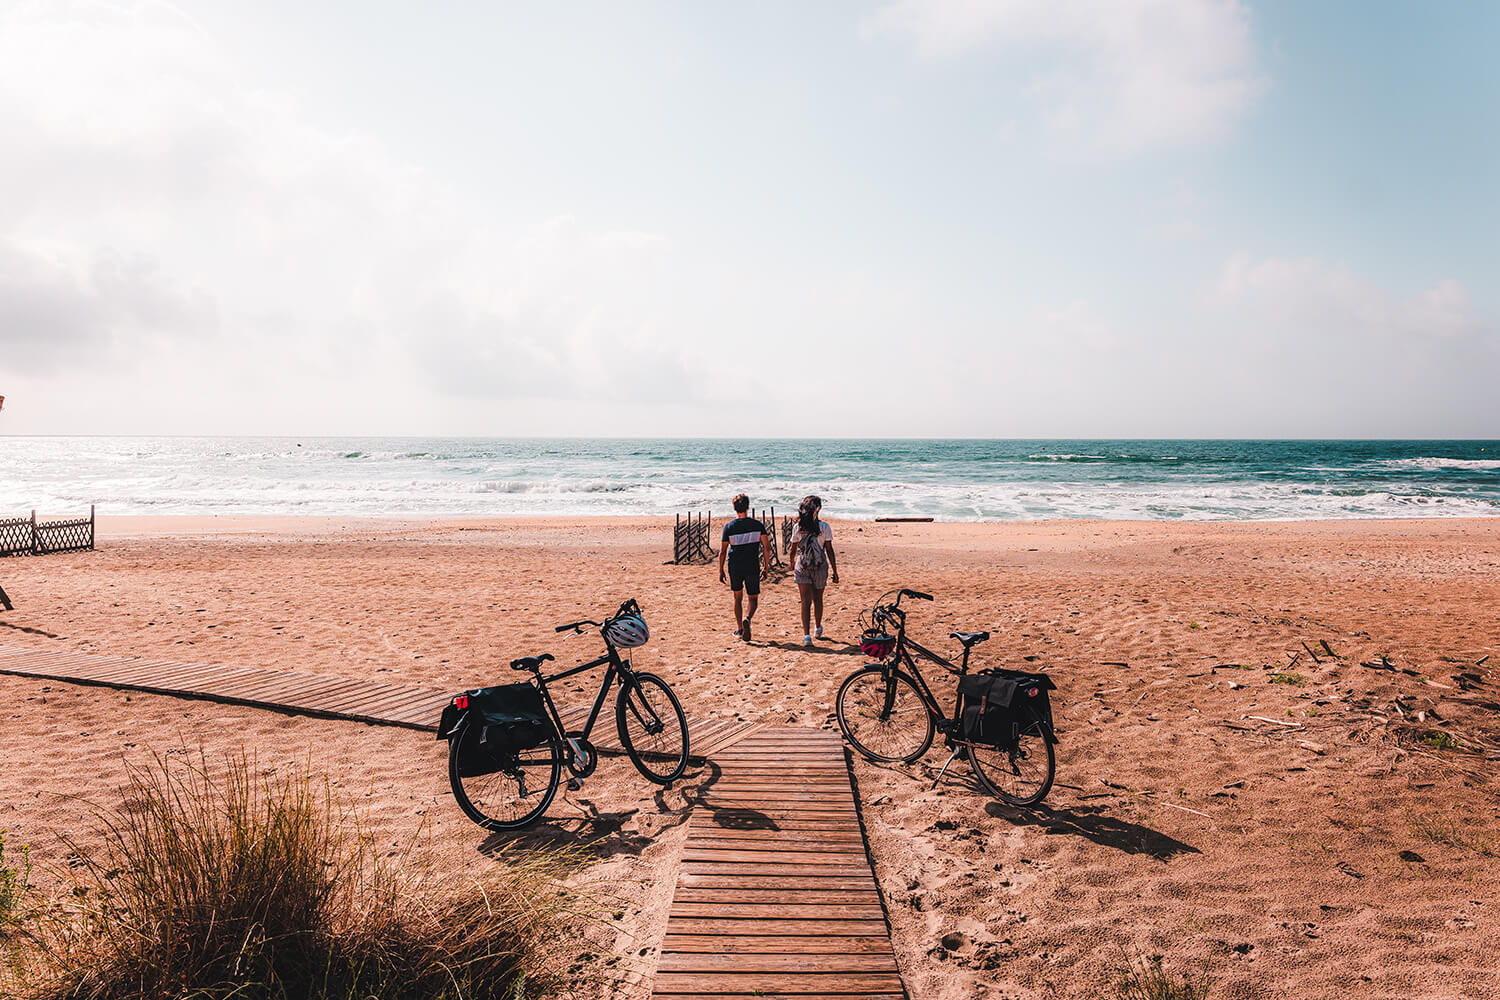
column 812, row 561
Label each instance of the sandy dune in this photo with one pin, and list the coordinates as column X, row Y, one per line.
column 1345, row 854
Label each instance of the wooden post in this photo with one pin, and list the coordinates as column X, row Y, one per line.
column 91, row 527
column 36, row 539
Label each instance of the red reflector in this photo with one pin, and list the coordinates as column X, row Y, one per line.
column 461, row 702
column 1032, row 693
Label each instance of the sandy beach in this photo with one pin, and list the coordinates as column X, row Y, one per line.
column 1326, row 829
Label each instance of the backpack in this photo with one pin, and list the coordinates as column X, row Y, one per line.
column 999, row 706
column 811, row 559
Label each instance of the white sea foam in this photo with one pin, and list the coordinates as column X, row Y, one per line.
column 1441, row 463
column 946, row 480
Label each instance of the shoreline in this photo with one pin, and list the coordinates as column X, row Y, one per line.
column 167, row 525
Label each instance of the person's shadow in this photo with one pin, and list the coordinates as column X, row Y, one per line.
column 1094, row 823
column 797, row 647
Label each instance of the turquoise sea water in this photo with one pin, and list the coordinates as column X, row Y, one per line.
column 948, row 479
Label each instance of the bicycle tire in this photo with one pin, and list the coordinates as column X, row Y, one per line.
column 1020, row 787
column 628, row 705
column 480, row 797
column 853, row 703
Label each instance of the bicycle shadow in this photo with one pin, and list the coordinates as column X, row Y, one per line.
column 602, row 835
column 1096, row 824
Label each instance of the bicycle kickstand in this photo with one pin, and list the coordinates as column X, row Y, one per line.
column 941, row 774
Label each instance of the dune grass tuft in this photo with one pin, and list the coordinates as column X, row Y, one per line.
column 15, row 882
column 1143, row 978
column 231, row 883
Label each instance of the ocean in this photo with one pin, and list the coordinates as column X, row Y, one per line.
column 950, row 480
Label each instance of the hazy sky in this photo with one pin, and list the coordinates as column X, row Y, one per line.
column 1008, row 218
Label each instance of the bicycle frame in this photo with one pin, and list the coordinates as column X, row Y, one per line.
column 903, row 653
column 618, row 667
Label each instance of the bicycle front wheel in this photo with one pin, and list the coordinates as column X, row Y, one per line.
column 883, row 715
column 1020, row 775
column 498, row 790
column 653, row 728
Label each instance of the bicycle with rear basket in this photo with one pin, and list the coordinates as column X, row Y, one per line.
column 507, row 745
column 1001, row 720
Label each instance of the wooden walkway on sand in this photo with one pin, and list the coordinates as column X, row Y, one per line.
column 306, row 694
column 776, row 897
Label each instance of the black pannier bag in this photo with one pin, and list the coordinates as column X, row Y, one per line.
column 999, row 705
column 501, row 721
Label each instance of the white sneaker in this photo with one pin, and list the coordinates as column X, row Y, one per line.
column 807, row 640
column 818, row 631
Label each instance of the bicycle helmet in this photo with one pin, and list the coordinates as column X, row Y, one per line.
column 626, row 631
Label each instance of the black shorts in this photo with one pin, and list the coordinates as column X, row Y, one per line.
column 745, row 576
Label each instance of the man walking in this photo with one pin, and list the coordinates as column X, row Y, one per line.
column 747, row 548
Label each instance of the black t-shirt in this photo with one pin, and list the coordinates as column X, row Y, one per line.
column 743, row 536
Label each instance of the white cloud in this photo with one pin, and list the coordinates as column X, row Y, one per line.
column 1124, row 75
column 1312, row 294
column 155, row 197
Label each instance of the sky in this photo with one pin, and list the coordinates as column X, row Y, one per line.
column 966, row 218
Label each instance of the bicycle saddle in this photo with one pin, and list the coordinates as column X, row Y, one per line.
column 530, row 662
column 970, row 638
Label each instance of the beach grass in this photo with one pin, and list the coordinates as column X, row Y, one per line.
column 1143, row 977
column 233, row 882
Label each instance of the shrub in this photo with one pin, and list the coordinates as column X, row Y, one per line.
column 15, row 881
column 1439, row 740
column 1464, row 837
column 1296, row 680
column 1143, row 978
column 264, row 888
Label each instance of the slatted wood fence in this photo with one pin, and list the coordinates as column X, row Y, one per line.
column 691, row 541
column 34, row 536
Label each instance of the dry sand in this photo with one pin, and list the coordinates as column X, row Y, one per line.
column 1338, row 856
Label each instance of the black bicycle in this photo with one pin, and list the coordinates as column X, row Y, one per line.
column 507, row 745
column 1002, row 719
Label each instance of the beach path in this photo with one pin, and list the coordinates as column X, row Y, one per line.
column 776, row 896
column 308, row 694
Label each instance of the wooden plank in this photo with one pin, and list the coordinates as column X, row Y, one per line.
column 761, row 995
column 757, row 983
column 803, row 962
column 774, row 856
column 752, row 943
column 817, row 928
column 800, row 880
column 779, row 911
column 694, row 894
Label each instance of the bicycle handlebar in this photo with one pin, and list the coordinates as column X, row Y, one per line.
column 574, row 626
column 915, row 594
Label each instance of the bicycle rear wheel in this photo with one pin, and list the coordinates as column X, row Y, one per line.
column 653, row 728
column 883, row 716
column 502, row 791
column 1020, row 775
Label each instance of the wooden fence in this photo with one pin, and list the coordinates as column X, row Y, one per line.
column 691, row 541
column 22, row 536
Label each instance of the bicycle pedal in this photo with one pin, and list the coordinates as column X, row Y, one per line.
column 574, row 785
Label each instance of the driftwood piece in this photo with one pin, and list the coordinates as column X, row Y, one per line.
column 5, row 600
column 1327, row 648
column 1311, row 653
column 1262, row 718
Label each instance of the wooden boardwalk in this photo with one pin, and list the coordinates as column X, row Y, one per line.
column 776, row 897
column 308, row 694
